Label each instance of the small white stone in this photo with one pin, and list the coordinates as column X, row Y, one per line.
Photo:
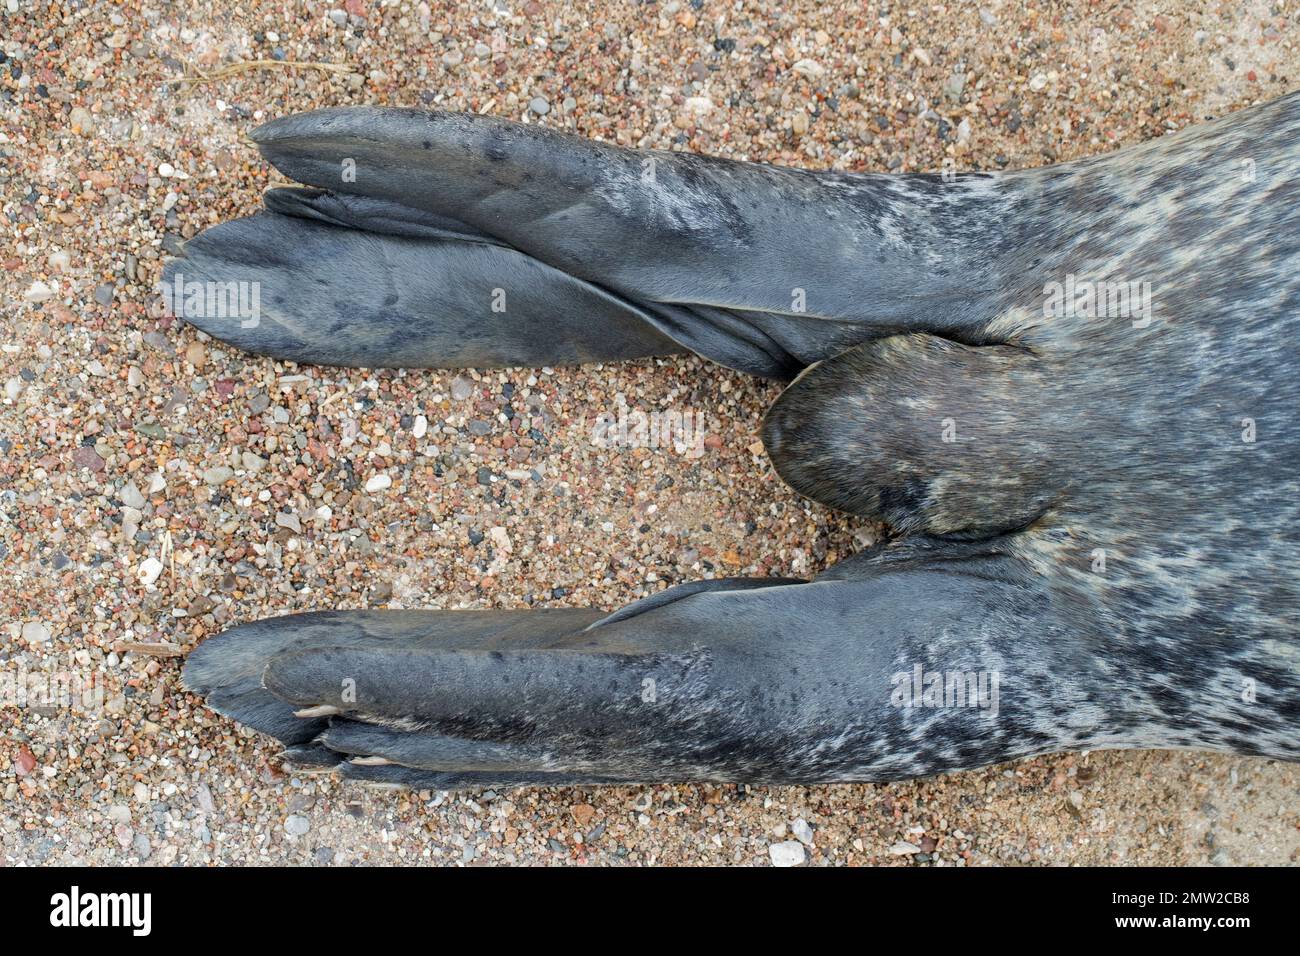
column 157, row 483
column 379, row 483
column 131, row 496
column 38, row 292
column 35, row 632
column 802, row 831
column 788, row 853
column 904, row 849
column 421, row 427
column 149, row 570
column 166, row 170
column 1038, row 82
column 501, row 539
column 289, row 521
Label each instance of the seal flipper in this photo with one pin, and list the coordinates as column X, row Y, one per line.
column 412, row 297
column 665, row 227
column 772, row 683
column 760, row 268
column 227, row 669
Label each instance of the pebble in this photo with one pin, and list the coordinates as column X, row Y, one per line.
column 902, row 848
column 38, row 292
column 802, row 831
column 539, row 105
column 296, row 825
column 131, row 496
column 81, row 121
column 218, row 475
column 288, row 520
column 36, row 632
column 148, row 571
column 203, row 797
column 420, row 427
column 461, row 388
column 141, row 847
column 787, row 853
column 87, row 457
column 378, row 483
column 104, row 293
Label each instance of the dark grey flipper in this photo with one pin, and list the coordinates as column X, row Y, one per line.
column 229, row 671
column 593, row 253
column 724, row 685
column 339, row 296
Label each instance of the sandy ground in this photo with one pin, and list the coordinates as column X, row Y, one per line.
column 127, row 439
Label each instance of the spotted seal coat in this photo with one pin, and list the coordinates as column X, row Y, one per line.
column 1094, row 510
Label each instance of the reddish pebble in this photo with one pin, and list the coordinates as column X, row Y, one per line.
column 25, row 762
column 86, row 457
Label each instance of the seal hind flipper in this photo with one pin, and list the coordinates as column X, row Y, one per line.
column 319, row 293
column 227, row 669
column 659, row 226
column 689, row 252
column 725, row 685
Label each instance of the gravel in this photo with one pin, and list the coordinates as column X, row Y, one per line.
column 239, row 512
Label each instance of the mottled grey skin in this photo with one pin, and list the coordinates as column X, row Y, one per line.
column 1074, row 505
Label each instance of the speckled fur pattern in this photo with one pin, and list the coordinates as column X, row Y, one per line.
column 1096, row 514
